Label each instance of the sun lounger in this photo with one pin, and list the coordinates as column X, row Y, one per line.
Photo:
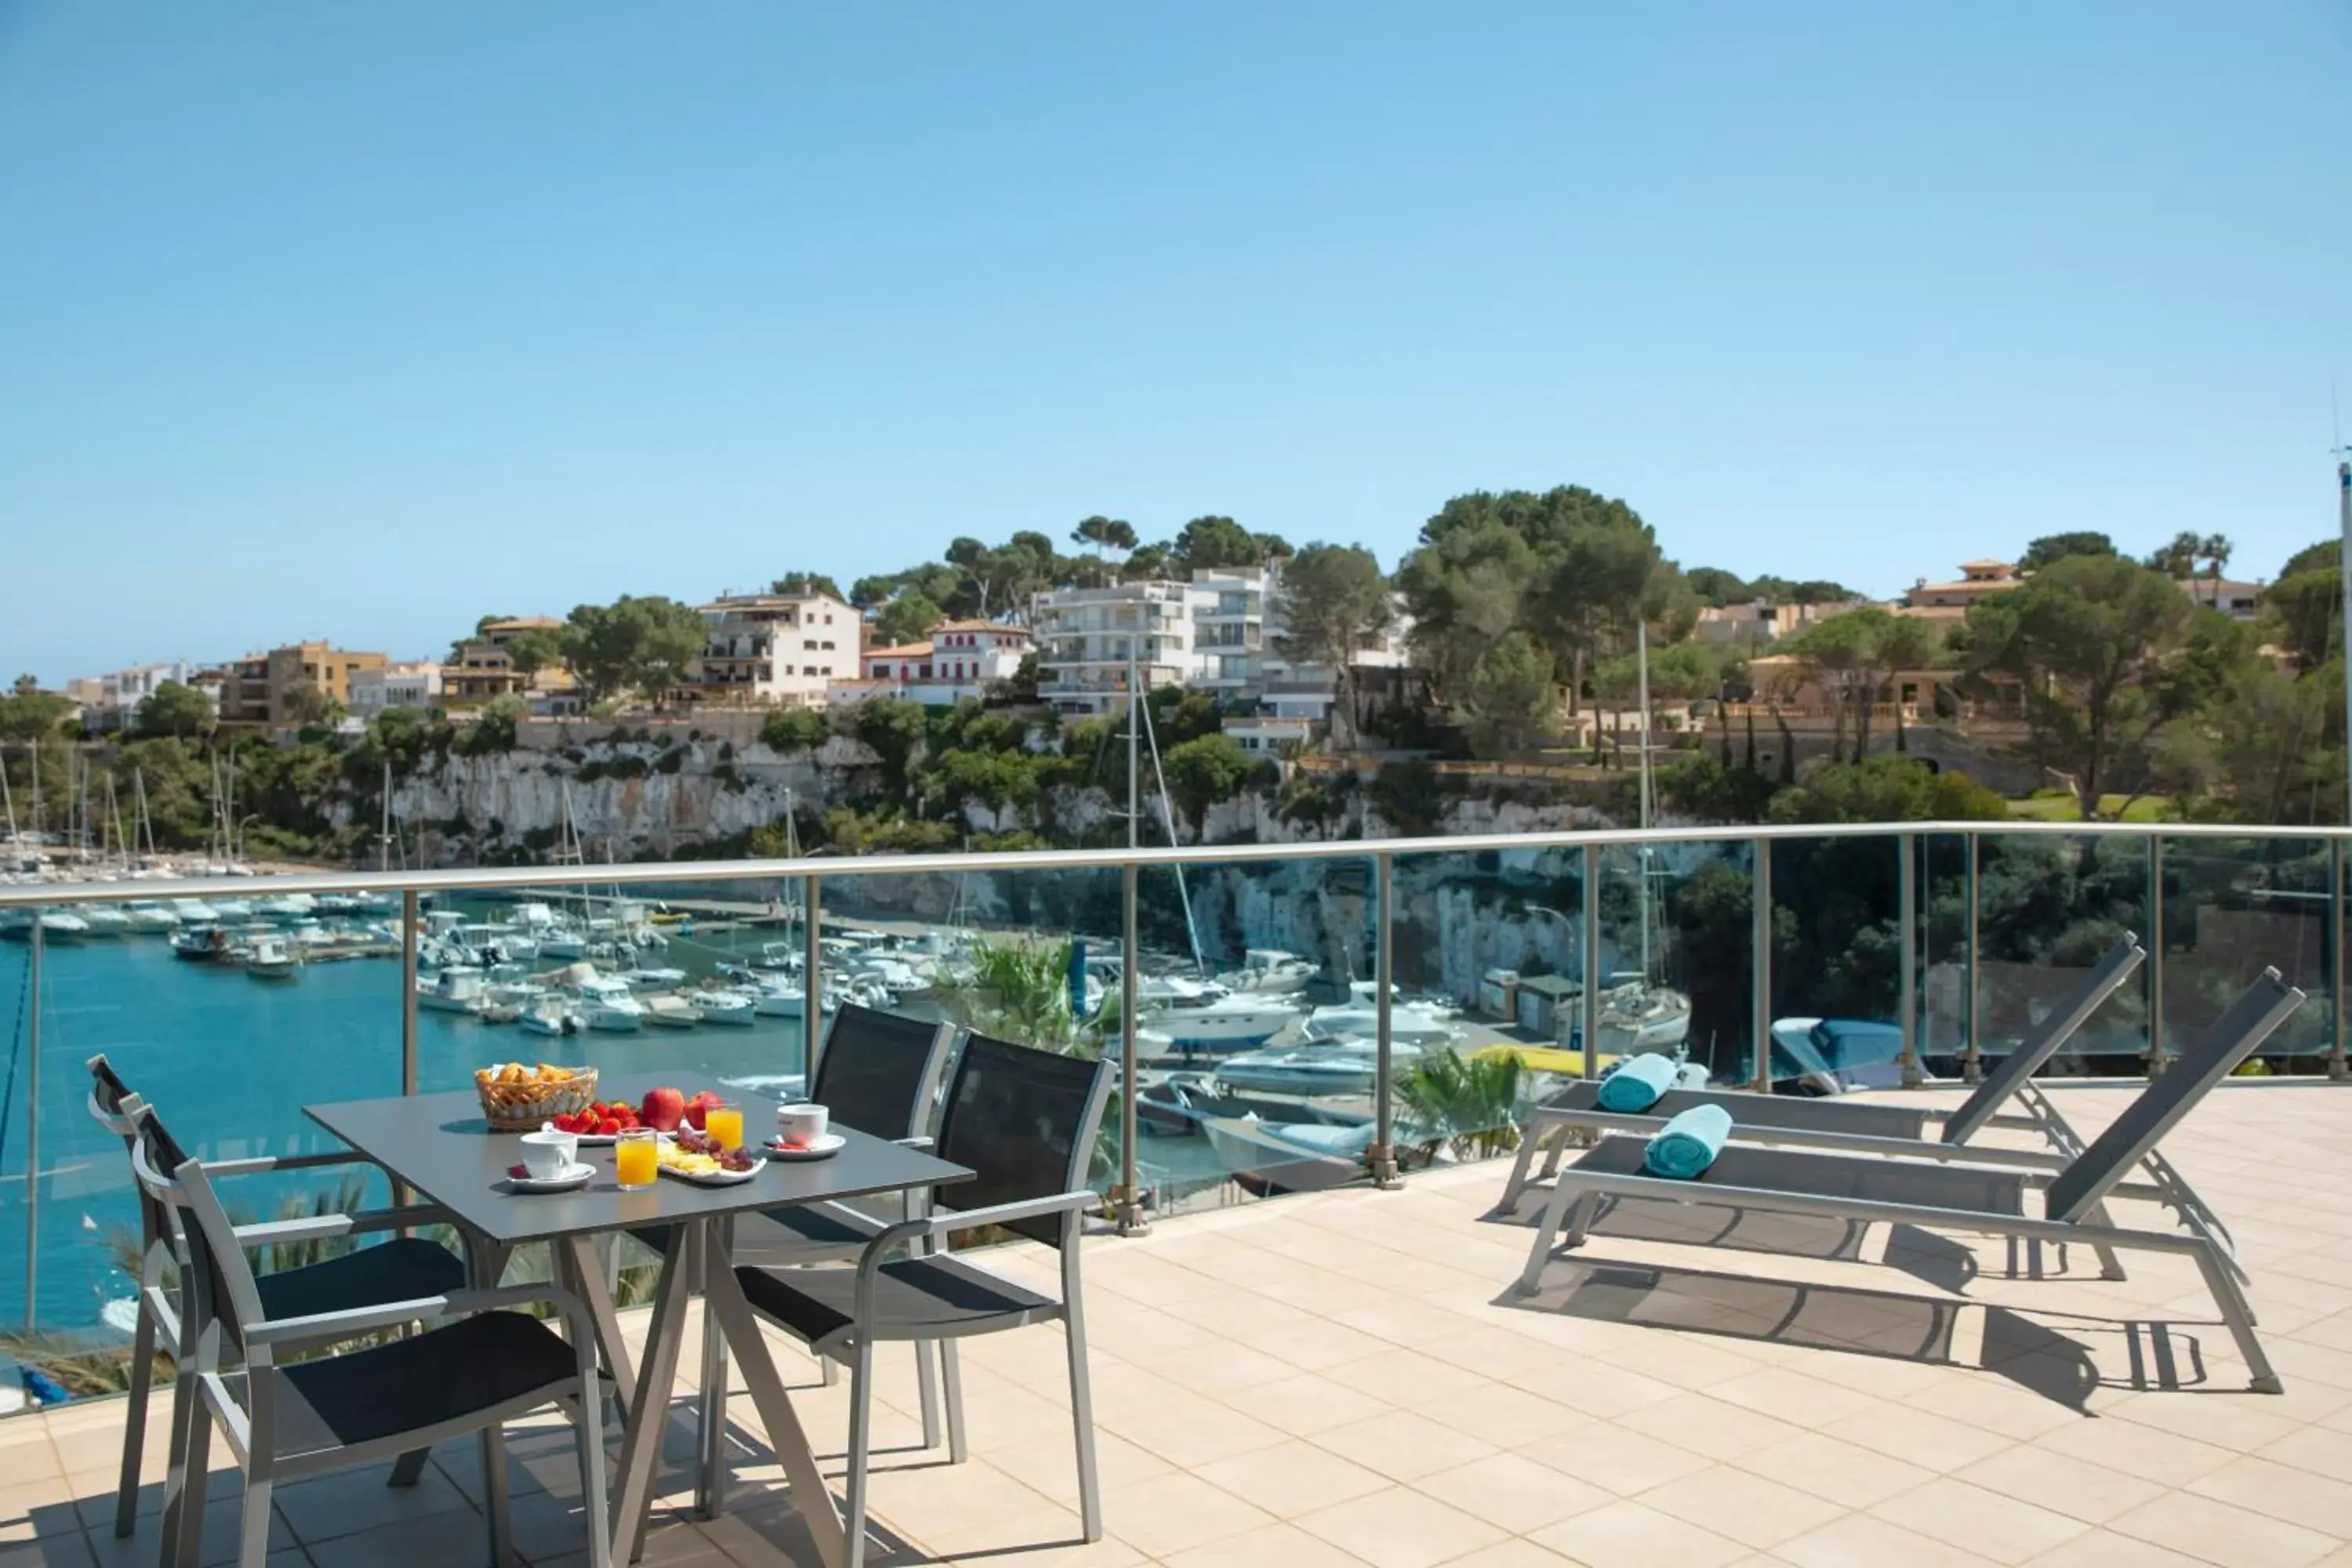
column 1820, row 1123
column 2067, row 1205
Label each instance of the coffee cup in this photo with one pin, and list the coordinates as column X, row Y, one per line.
column 548, row 1154
column 798, row 1126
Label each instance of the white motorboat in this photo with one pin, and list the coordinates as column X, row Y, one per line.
column 286, row 906
column 104, row 920
column 1268, row 1157
column 452, row 991
column 670, row 1012
column 195, row 912
column 723, row 1007
column 57, row 926
column 151, row 918
column 605, row 1004
column 1324, row 1067
column 233, row 909
column 786, row 999
column 1268, row 971
column 651, row 977
column 779, row 955
column 1223, row 1023
column 549, row 1013
column 1416, row 1023
column 271, row 958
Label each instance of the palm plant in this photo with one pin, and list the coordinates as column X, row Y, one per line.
column 1019, row 990
column 1469, row 1104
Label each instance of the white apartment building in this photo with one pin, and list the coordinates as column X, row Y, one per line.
column 960, row 660
column 773, row 648
column 1086, row 638
column 111, row 702
column 413, row 684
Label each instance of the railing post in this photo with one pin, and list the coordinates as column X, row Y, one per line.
column 1972, row 1059
column 2156, row 955
column 2337, row 1070
column 1906, row 889
column 1381, row 1156
column 1588, row 1000
column 812, row 979
column 33, row 1120
column 408, row 991
column 1760, row 938
column 1127, row 1198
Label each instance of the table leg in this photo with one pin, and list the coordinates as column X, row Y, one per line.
column 710, row 1487
column 640, row 1440
column 811, row 1498
column 587, row 1279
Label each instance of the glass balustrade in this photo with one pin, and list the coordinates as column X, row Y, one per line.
column 1859, row 959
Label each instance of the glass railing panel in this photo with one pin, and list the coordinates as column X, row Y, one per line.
column 1837, row 945
column 227, row 1015
column 2049, row 907
column 1490, row 953
column 1677, row 945
column 1943, row 1005
column 1255, row 1041
column 2233, row 907
column 1028, row 957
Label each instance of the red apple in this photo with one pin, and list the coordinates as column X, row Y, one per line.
column 703, row 1101
column 664, row 1109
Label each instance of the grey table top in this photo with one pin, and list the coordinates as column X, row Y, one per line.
column 441, row 1145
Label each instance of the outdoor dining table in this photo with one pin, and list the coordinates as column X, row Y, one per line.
column 441, row 1145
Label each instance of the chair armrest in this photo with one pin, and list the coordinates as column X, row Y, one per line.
column 391, row 1314
column 938, row 1227
column 261, row 1164
column 312, row 1227
column 913, row 1142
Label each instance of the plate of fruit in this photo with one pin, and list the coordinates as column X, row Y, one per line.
column 698, row 1157
column 600, row 1122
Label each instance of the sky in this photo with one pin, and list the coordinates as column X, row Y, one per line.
column 362, row 321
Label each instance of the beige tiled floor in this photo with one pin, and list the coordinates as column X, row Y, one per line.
column 1347, row 1379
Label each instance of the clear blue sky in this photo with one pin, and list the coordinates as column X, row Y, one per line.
column 361, row 320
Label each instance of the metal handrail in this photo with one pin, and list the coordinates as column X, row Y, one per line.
column 673, row 871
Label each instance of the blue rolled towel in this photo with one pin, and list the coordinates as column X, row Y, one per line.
column 1687, row 1144
column 1634, row 1084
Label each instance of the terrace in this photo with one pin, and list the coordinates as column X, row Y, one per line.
column 1347, row 1376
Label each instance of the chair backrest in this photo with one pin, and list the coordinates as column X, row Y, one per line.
column 2246, row 1024
column 880, row 1071
column 2043, row 1042
column 107, row 1093
column 1025, row 1122
column 211, row 1259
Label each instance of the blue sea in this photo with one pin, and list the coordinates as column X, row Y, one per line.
column 229, row 1062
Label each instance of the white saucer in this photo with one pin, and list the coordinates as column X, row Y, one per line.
column 579, row 1175
column 830, row 1144
column 597, row 1140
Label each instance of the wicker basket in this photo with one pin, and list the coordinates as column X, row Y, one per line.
column 522, row 1106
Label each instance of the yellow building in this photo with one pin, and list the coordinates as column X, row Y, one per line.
column 258, row 688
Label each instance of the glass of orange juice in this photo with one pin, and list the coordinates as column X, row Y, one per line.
column 724, row 1123
column 636, row 1158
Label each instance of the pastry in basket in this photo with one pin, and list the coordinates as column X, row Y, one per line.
column 516, row 1098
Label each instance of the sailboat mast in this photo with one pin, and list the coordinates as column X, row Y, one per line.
column 142, row 820
column 8, row 803
column 114, row 815
column 383, row 826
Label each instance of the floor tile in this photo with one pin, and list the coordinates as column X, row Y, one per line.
column 1626, row 1534
column 1398, row 1528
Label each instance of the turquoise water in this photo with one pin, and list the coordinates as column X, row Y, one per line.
column 229, row 1062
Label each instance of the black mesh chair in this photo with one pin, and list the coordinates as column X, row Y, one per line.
column 395, row 1270
column 1025, row 1122
column 288, row 1418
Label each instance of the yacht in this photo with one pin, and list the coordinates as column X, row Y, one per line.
column 1269, row 1157
column 1268, row 971
column 723, row 1007
column 57, row 926
column 1426, row 1024
column 104, row 920
column 233, row 909
column 1323, row 1067
column 151, row 916
column 654, row 976
column 195, row 912
column 286, row 906
column 452, row 991
column 1636, row 1018
column 1221, row 1024
column 605, row 1004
